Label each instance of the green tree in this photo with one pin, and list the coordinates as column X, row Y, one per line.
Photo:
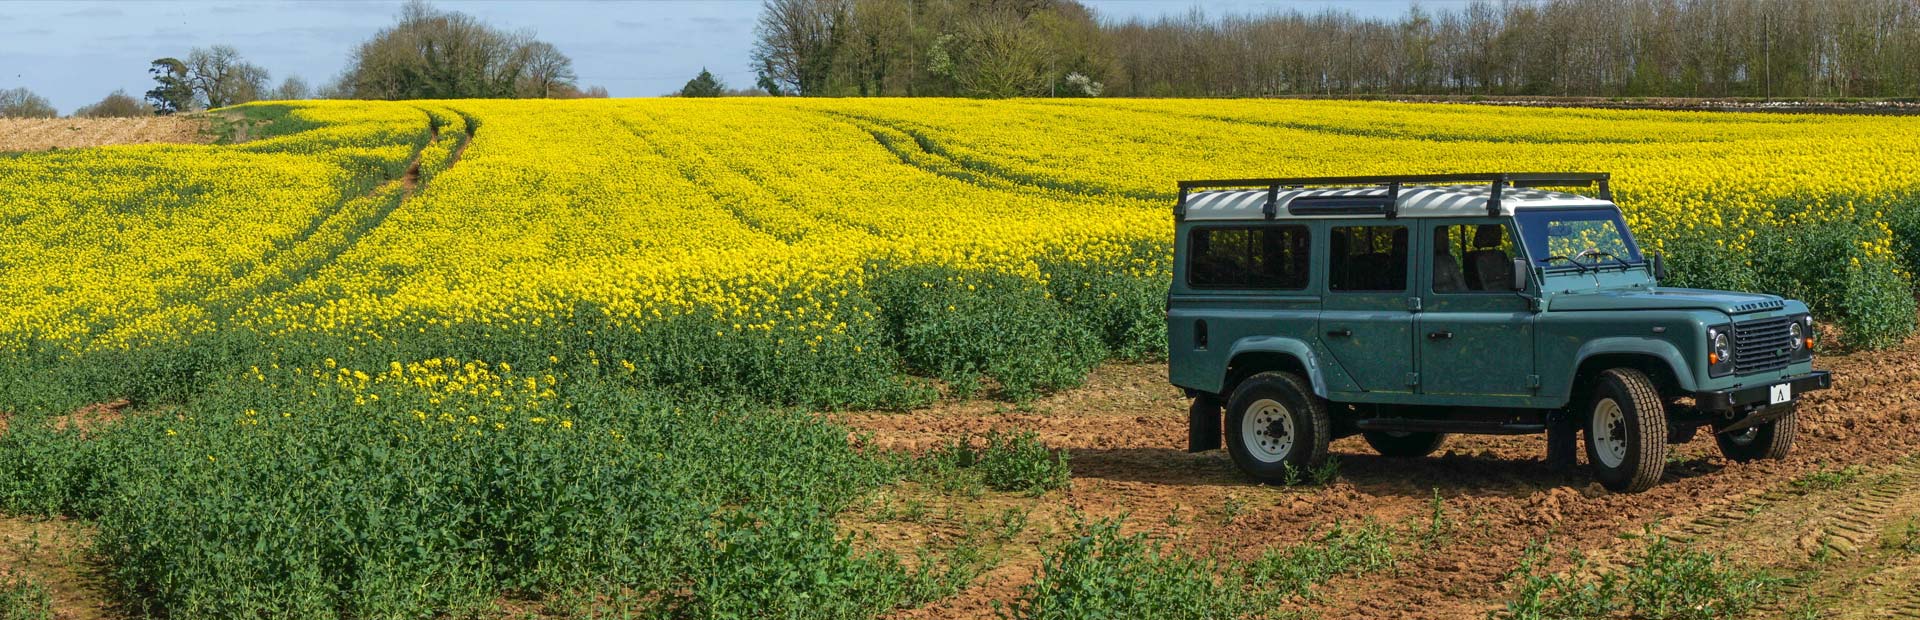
column 703, row 85
column 174, row 93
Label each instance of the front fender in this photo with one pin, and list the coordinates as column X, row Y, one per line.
column 1293, row 347
column 1634, row 345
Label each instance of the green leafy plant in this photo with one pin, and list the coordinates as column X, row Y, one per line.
column 1828, row 479
column 1664, row 581
column 1015, row 462
column 23, row 598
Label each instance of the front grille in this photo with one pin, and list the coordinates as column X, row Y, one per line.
column 1762, row 345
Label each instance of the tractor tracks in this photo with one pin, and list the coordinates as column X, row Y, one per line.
column 916, row 147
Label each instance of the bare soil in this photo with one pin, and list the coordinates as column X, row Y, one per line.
column 1125, row 432
column 37, row 134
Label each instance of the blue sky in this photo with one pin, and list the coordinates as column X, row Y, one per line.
column 74, row 53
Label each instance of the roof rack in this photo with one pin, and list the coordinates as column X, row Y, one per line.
column 1389, row 204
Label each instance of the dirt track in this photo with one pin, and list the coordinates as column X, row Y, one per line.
column 34, row 134
column 1125, row 432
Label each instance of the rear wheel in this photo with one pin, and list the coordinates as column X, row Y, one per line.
column 1399, row 444
column 1772, row 440
column 1275, row 425
column 1626, row 431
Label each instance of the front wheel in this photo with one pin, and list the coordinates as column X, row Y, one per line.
column 1626, row 431
column 1772, row 440
column 1276, row 426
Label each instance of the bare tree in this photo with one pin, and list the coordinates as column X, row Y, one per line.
column 546, row 70
column 23, row 103
column 220, row 77
column 435, row 54
column 119, row 104
column 291, row 89
column 799, row 41
column 996, row 57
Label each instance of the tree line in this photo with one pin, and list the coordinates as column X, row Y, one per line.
column 1677, row 48
column 428, row 53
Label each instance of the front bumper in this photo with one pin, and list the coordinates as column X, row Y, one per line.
column 1753, row 396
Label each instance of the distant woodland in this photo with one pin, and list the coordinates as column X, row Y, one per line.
column 1660, row 48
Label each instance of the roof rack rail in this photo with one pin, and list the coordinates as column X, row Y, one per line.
column 1498, row 180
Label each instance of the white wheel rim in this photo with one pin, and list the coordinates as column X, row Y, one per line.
column 1267, row 430
column 1609, row 433
column 1746, row 437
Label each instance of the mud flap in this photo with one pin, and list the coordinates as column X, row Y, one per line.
column 1562, row 440
column 1203, row 424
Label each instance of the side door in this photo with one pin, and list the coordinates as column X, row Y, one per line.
column 1366, row 317
column 1475, row 333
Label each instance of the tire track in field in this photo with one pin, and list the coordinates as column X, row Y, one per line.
column 927, row 154
column 220, row 301
column 1411, row 135
column 787, row 198
column 406, row 186
column 727, row 201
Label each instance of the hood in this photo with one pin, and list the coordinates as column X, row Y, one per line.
column 1667, row 299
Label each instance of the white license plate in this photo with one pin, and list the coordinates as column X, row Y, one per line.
column 1780, row 394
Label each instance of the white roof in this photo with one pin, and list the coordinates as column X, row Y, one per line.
column 1415, row 201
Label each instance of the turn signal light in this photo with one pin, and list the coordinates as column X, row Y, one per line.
column 1713, row 358
column 1809, row 342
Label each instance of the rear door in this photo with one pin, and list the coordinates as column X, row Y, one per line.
column 1239, row 280
column 1366, row 318
column 1475, row 334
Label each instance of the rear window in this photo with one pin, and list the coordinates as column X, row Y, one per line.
column 1263, row 258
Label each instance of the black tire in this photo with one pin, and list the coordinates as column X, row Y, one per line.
column 1296, row 436
column 1405, row 445
column 1628, row 451
column 1772, row 440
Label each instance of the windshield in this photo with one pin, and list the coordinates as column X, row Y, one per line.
column 1577, row 238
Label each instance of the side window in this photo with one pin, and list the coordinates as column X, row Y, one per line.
column 1472, row 258
column 1367, row 258
column 1265, row 258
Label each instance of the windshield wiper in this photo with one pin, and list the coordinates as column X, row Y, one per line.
column 1600, row 252
column 1582, row 266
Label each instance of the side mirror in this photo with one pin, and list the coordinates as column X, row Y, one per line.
column 1520, row 270
column 1659, row 266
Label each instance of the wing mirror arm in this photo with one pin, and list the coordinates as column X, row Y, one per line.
column 1659, row 267
column 1522, row 267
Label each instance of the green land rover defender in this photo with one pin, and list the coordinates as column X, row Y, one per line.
column 1406, row 308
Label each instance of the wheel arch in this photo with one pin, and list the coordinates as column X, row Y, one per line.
column 1663, row 367
column 1251, row 356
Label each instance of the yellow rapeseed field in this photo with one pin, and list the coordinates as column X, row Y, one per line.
column 767, row 218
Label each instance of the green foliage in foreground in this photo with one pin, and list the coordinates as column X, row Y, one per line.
column 296, row 496
column 1015, row 462
column 1103, row 573
column 1664, row 582
column 22, row 598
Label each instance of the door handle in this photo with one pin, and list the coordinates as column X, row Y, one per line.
column 1340, row 333
column 1443, row 335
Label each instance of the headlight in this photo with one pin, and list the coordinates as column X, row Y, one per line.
column 1719, row 352
column 1796, row 337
